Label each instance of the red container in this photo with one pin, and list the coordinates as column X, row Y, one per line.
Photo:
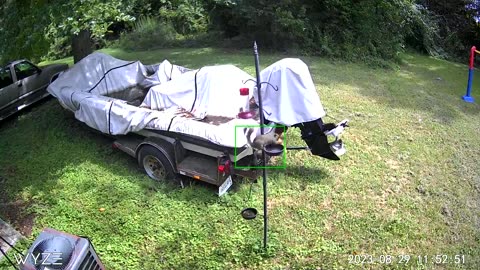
column 245, row 112
column 244, row 91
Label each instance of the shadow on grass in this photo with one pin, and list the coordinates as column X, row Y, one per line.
column 298, row 177
column 306, row 174
column 66, row 173
column 47, row 143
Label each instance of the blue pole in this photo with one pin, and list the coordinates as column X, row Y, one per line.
column 468, row 97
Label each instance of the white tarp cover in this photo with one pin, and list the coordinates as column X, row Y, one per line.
column 212, row 90
column 296, row 100
column 90, row 70
column 165, row 72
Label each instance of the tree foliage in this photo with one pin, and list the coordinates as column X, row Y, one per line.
column 329, row 27
column 454, row 23
column 69, row 17
column 22, row 28
column 37, row 27
column 352, row 29
column 365, row 29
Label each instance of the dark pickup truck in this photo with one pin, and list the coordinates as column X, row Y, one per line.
column 23, row 83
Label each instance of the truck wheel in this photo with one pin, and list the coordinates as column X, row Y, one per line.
column 155, row 163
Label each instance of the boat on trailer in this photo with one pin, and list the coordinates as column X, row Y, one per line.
column 201, row 123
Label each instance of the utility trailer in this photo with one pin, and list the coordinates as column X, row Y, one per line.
column 164, row 155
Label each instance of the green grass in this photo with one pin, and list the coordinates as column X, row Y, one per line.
column 409, row 183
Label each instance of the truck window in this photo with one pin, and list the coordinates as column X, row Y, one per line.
column 5, row 77
column 24, row 70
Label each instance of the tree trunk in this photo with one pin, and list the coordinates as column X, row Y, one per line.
column 82, row 45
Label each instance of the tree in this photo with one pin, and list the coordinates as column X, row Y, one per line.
column 453, row 24
column 82, row 45
column 22, row 28
column 84, row 23
column 41, row 27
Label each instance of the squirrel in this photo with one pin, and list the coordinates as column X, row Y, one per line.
column 260, row 141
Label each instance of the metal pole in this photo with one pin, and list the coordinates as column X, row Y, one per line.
column 468, row 97
column 4, row 252
column 8, row 259
column 259, row 85
column 264, row 156
column 298, row 148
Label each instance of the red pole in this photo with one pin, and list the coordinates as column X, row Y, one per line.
column 472, row 56
column 468, row 97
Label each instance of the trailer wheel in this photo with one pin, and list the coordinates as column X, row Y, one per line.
column 155, row 163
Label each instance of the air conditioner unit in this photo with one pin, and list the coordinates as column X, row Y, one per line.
column 58, row 250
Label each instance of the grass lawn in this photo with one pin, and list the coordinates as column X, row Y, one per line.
column 409, row 184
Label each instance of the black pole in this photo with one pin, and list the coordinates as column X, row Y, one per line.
column 4, row 253
column 298, row 148
column 259, row 85
column 10, row 245
column 264, row 156
column 8, row 259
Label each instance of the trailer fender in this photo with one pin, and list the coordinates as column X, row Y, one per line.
column 163, row 146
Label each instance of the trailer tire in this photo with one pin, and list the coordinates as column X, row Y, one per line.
column 155, row 164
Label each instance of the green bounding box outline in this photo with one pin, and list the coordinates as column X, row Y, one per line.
column 284, row 157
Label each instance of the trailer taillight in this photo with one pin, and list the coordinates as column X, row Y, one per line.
column 225, row 167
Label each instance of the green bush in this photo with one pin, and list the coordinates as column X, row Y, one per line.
column 365, row 30
column 422, row 32
column 333, row 28
column 187, row 16
column 149, row 33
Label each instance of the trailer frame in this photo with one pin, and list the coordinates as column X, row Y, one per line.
column 186, row 155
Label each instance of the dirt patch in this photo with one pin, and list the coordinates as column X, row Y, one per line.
column 15, row 212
